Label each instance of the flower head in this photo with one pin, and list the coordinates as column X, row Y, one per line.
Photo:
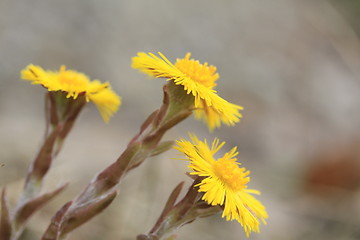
column 75, row 84
column 197, row 79
column 224, row 182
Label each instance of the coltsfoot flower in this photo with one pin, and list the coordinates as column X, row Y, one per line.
column 74, row 84
column 197, row 79
column 224, row 182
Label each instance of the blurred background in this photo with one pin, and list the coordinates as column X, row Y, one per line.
column 293, row 65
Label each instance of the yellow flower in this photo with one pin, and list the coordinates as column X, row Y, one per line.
column 224, row 182
column 75, row 83
column 197, row 79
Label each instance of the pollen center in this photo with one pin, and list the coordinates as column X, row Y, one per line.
column 72, row 78
column 231, row 175
column 201, row 73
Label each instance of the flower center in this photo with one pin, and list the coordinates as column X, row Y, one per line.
column 230, row 174
column 201, row 73
column 72, row 78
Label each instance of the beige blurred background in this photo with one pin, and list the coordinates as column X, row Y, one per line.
column 293, row 65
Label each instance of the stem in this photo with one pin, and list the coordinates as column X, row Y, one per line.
column 173, row 110
column 60, row 113
column 185, row 211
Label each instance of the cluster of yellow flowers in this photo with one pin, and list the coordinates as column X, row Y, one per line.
column 223, row 182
